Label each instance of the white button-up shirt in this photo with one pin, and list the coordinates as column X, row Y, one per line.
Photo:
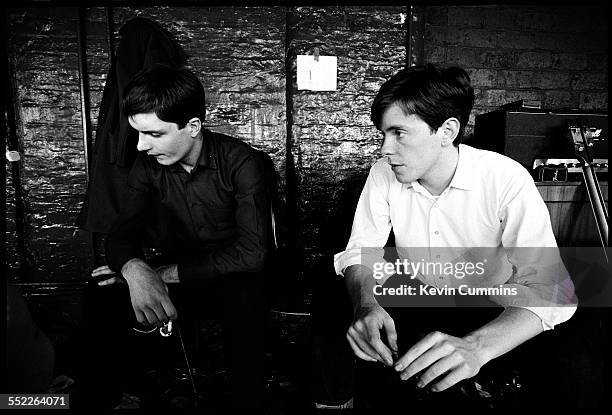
column 492, row 202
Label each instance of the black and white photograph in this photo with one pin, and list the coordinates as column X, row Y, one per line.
column 282, row 206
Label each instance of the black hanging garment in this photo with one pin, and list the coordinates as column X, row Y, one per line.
column 143, row 43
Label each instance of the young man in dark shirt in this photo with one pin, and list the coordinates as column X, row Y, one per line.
column 201, row 199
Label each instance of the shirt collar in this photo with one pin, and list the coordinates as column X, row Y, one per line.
column 207, row 157
column 464, row 173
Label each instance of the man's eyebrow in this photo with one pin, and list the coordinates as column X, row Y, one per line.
column 397, row 127
column 153, row 131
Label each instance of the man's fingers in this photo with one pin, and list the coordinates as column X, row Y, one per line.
column 389, row 326
column 103, row 270
column 455, row 376
column 363, row 344
column 376, row 343
column 151, row 317
column 418, row 349
column 140, row 317
column 439, row 368
column 110, row 281
column 160, row 314
column 170, row 309
column 383, row 351
column 425, row 360
column 358, row 352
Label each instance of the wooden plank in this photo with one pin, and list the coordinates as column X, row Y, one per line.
column 570, row 212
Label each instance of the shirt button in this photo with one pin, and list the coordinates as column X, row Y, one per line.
column 436, row 232
column 437, row 256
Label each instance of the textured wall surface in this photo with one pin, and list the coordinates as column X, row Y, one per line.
column 555, row 54
column 238, row 54
column 321, row 143
column 332, row 134
column 43, row 54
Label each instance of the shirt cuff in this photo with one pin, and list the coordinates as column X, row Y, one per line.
column 345, row 259
column 551, row 316
column 372, row 258
column 194, row 269
column 116, row 258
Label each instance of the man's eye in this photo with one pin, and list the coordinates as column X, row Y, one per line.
column 155, row 135
column 400, row 134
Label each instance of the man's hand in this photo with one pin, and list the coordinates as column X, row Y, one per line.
column 168, row 273
column 364, row 334
column 149, row 293
column 100, row 272
column 441, row 354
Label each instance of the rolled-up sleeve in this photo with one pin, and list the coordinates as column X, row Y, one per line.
column 371, row 224
column 542, row 281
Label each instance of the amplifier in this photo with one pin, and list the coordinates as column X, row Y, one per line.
column 536, row 134
column 543, row 142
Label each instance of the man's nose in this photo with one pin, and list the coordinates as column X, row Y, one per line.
column 388, row 146
column 143, row 143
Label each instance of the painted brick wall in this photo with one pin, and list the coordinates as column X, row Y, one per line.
column 333, row 136
column 238, row 54
column 43, row 56
column 555, row 54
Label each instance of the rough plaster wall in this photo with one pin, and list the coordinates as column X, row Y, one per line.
column 13, row 262
column 238, row 54
column 43, row 55
column 555, row 54
column 332, row 132
column 558, row 55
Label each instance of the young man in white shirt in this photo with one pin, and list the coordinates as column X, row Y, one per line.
column 437, row 193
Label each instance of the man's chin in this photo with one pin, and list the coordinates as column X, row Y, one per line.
column 164, row 161
column 404, row 178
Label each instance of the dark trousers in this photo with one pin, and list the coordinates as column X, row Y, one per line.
column 117, row 355
column 561, row 368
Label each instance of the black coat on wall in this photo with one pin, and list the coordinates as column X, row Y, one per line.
column 143, row 43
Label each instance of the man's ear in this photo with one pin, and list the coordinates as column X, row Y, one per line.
column 195, row 126
column 450, row 129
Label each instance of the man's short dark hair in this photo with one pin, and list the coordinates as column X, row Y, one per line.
column 175, row 95
column 429, row 92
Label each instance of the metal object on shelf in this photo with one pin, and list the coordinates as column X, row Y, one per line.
column 565, row 169
column 583, row 139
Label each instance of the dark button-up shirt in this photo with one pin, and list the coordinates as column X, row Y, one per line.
column 212, row 221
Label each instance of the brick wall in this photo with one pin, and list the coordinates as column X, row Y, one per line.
column 333, row 136
column 237, row 53
column 555, row 54
column 43, row 57
column 322, row 143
